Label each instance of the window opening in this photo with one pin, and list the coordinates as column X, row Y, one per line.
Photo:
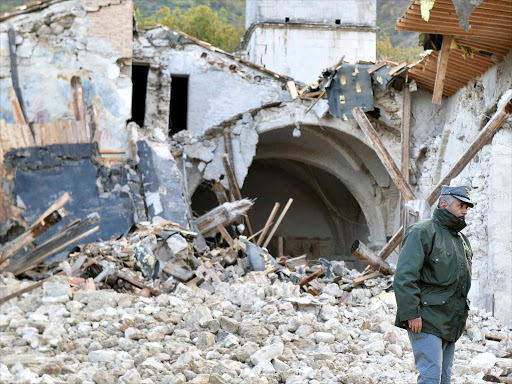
column 179, row 104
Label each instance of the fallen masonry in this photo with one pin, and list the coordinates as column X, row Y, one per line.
column 241, row 332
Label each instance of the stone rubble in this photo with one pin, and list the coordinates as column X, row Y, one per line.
column 243, row 332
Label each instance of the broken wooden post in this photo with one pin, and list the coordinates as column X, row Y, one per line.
column 281, row 217
column 442, row 65
column 366, row 255
column 228, row 148
column 383, row 154
column 222, row 215
column 280, row 246
column 233, row 186
column 268, row 224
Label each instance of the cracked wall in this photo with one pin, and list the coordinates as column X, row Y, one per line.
column 66, row 39
column 220, row 86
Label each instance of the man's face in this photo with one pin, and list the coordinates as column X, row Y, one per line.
column 457, row 208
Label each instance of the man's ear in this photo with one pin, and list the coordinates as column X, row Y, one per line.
column 443, row 204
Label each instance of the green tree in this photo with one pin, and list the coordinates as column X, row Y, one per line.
column 205, row 24
column 387, row 51
column 144, row 22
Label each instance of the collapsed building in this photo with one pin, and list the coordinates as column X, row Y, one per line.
column 134, row 125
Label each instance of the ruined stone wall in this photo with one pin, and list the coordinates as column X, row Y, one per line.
column 440, row 135
column 66, row 39
column 219, row 87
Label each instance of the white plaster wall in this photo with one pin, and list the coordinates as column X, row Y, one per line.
column 361, row 12
column 303, row 52
column 219, row 86
column 499, row 224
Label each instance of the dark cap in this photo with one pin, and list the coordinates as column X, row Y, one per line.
column 461, row 193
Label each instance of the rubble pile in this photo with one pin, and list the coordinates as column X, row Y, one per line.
column 242, row 332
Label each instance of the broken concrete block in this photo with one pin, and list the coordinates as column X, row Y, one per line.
column 178, row 246
column 161, row 183
column 56, row 290
column 268, row 353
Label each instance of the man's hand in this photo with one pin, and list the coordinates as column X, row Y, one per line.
column 415, row 324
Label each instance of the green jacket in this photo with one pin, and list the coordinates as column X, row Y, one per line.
column 433, row 276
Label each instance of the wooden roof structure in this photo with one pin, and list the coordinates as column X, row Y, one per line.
column 464, row 54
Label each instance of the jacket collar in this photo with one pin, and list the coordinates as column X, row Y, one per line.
column 448, row 220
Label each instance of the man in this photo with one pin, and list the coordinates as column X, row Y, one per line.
column 432, row 281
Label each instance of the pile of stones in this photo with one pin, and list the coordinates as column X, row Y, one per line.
column 242, row 333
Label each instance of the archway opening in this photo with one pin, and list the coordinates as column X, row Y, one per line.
column 324, row 218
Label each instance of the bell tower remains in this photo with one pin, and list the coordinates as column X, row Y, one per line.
column 299, row 38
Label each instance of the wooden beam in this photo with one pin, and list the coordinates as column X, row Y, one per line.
column 483, row 138
column 54, row 244
column 376, row 67
column 233, row 186
column 268, row 224
column 442, row 64
column 225, row 234
column 281, row 217
column 383, row 154
column 220, row 192
column 222, row 215
column 406, row 127
column 49, row 218
column 319, row 272
column 360, row 279
column 405, row 141
column 280, row 246
column 366, row 255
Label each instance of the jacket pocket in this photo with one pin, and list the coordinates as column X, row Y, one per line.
column 436, row 296
column 441, row 269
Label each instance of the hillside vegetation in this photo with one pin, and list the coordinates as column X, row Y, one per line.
column 221, row 23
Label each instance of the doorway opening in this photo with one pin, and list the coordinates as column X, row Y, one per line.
column 140, row 84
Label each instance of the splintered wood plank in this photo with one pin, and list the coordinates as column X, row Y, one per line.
column 442, row 65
